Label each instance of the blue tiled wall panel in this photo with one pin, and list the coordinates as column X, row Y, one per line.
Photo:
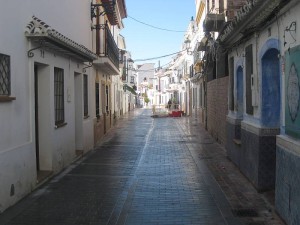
column 249, row 155
column 287, row 191
column 233, row 150
column 258, row 159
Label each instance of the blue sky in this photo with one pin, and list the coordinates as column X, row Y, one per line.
column 146, row 42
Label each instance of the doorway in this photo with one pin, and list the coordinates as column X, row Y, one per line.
column 271, row 89
column 36, row 117
column 43, row 152
column 78, row 105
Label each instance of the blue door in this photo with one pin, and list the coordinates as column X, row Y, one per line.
column 271, row 89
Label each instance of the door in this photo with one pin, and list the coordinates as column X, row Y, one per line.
column 78, row 105
column 271, row 89
column 36, row 116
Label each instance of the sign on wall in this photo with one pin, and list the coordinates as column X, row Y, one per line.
column 292, row 107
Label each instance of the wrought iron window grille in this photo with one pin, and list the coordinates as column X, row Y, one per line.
column 4, row 75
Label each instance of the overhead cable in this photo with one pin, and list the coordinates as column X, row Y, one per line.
column 139, row 60
column 159, row 28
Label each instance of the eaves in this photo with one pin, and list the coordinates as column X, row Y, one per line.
column 252, row 21
column 48, row 38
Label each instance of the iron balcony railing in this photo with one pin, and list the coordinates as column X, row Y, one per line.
column 107, row 46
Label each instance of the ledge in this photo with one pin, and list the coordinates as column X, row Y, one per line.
column 237, row 141
column 259, row 131
column 233, row 120
column 6, row 98
column 289, row 144
column 60, row 125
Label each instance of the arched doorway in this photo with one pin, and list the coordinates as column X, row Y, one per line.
column 240, row 91
column 270, row 112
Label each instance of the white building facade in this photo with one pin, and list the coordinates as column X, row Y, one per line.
column 55, row 91
column 44, row 92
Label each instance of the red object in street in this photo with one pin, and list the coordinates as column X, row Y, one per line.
column 176, row 114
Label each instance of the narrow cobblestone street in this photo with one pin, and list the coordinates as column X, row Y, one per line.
column 148, row 171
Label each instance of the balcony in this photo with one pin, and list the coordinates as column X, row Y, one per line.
column 197, row 54
column 213, row 22
column 107, row 51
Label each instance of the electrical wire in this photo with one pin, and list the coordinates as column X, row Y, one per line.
column 158, row 57
column 154, row 69
column 159, row 28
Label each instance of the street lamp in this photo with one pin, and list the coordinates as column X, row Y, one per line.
column 188, row 46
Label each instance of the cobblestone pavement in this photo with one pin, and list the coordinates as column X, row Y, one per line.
column 251, row 207
column 147, row 171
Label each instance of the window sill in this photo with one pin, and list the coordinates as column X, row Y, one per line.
column 85, row 117
column 237, row 141
column 60, row 125
column 4, row 98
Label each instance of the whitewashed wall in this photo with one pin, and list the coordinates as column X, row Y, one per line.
column 17, row 122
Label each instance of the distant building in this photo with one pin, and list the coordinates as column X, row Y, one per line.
column 145, row 76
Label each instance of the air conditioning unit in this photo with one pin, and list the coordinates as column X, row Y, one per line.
column 213, row 22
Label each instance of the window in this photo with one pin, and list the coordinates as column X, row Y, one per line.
column 97, row 97
column 4, row 75
column 103, row 101
column 200, row 96
column 107, row 98
column 85, row 96
column 59, row 96
column 249, row 72
column 191, row 70
column 132, row 79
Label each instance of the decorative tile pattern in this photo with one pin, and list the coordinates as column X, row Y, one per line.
column 287, row 186
column 258, row 159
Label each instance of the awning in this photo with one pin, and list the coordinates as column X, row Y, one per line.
column 213, row 22
column 48, row 38
column 130, row 89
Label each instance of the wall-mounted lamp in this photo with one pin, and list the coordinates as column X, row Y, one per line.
column 129, row 64
column 130, row 60
column 187, row 43
column 108, row 7
column 291, row 29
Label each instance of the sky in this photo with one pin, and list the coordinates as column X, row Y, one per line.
column 146, row 42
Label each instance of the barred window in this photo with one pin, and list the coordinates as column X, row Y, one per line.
column 4, row 75
column 231, row 84
column 97, row 97
column 249, row 72
column 85, row 96
column 59, row 96
column 107, row 98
